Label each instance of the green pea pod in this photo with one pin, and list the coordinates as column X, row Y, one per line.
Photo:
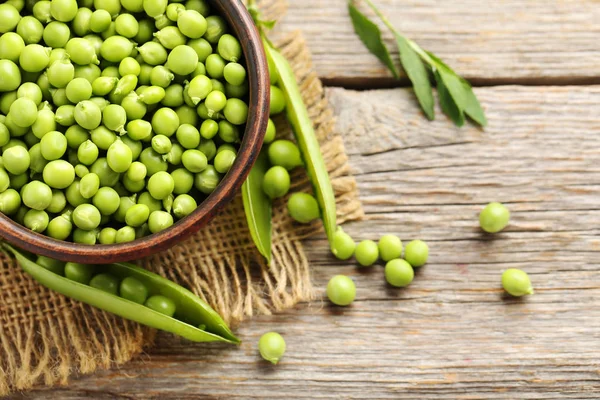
column 302, row 126
column 257, row 206
column 191, row 311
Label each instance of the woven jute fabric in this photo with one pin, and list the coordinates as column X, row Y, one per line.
column 45, row 337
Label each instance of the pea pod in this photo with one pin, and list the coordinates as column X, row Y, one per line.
column 191, row 313
column 302, row 126
column 257, row 206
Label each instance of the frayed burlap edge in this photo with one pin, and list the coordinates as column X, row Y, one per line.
column 45, row 337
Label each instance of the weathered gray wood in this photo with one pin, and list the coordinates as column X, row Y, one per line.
column 452, row 334
column 536, row 41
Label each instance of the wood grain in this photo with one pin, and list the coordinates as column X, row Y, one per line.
column 488, row 41
column 452, row 334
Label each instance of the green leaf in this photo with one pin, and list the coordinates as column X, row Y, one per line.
column 415, row 69
column 257, row 206
column 472, row 107
column 370, row 35
column 454, row 87
column 447, row 103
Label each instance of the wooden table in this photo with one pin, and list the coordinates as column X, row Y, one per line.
column 452, row 334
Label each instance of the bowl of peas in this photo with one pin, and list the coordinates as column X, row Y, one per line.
column 125, row 125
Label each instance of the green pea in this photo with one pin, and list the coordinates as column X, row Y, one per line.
column 58, row 174
column 30, row 29
column 238, row 92
column 129, row 66
column 16, row 160
column 127, row 25
column 107, row 176
column 107, row 236
column 134, row 108
column 137, row 215
column 182, row 60
column 125, row 234
column 184, row 205
column 285, row 154
column 152, row 95
column 161, row 185
column 277, row 104
column 200, row 70
column 78, row 89
column 24, row 112
column 75, row 136
column 194, row 160
column 153, row 161
column 88, row 115
column 59, row 227
column 41, row 11
column 100, row 21
column 133, row 290
column 18, row 181
column 63, row 10
column 170, row 37
column 155, row 8
column 390, row 247
column 202, row 48
column 173, row 96
column 207, row 180
column 10, row 201
column 494, row 217
column 58, row 54
column 77, row 272
column 58, row 202
column 112, row 6
column 302, row 207
column 106, row 200
column 86, row 216
column 81, row 170
column 145, row 31
column 165, row 121
column 416, row 253
column 215, row 66
column 106, row 282
column 4, row 180
column 191, row 23
column 199, row 88
column 44, row 123
column 229, row 48
column 216, row 27
column 134, row 6
column 137, row 171
column 161, row 304
column 56, row 266
column 341, row 290
column 73, row 194
column 366, row 253
column 162, row 21
column 81, row 22
column 271, row 132
column 103, row 85
column 116, row 48
column 37, row 195
column 152, row 203
column 173, row 10
column 10, row 76
column 399, row 273
column 187, row 115
column 53, row 145
column 11, row 46
column 89, row 185
column 209, row 148
column 228, row 132
column 343, row 245
column 200, row 6
column 234, row 73
column 161, row 144
column 276, row 182
column 184, row 181
column 159, row 220
column 82, row 52
column 271, row 346
column 215, row 102
column 36, row 220
column 60, row 73
column 153, row 53
column 65, row 115
column 209, row 129
column 516, row 282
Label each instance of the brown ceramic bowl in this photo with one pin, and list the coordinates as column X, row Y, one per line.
column 243, row 28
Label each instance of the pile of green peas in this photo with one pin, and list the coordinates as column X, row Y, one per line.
column 128, row 288
column 116, row 116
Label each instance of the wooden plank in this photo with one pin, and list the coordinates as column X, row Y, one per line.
column 488, row 41
column 452, row 334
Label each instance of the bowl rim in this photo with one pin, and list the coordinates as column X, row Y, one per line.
column 243, row 26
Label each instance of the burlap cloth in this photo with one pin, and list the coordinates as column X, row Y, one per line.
column 45, row 337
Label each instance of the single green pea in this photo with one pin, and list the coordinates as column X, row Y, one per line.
column 30, row 29
column 103, row 85
column 58, row 174
column 134, row 108
column 139, row 129
column 106, row 200
column 112, row 6
column 199, row 88
column 173, row 96
column 100, row 21
column 137, row 215
column 390, row 247
column 81, row 22
column 494, row 217
column 89, row 185
column 200, row 6
column 116, row 48
column 270, row 133
column 4, row 180
column 224, row 161
column 44, row 123
column 41, row 11
column 114, row 117
column 23, row 111
column 81, row 51
column 165, row 121
column 78, row 89
column 236, row 91
column 153, row 53
column 88, row 72
column 229, row 48
column 86, row 216
column 202, row 48
column 88, row 115
column 145, row 74
column 284, row 153
column 145, row 31
column 399, row 273
column 200, row 70
column 271, row 346
column 209, row 129
column 60, row 73
column 234, row 73
column 107, row 236
column 133, row 290
column 63, row 10
column 215, row 102
column 73, row 194
column 125, row 85
column 516, row 282
column 216, row 27
column 161, row 185
column 159, row 221
column 36, row 220
column 277, row 104
column 155, row 8
column 173, row 10
column 6, row 100
column 276, row 182
column 184, row 181
column 161, row 304
column 59, row 227
column 215, row 65
column 184, row 205
column 10, row 201
column 108, row 177
column 10, row 75
column 194, row 160
column 16, row 160
column 77, row 272
column 182, row 60
column 81, row 170
column 37, row 195
column 18, row 181
column 76, row 135
column 11, row 46
column 302, row 207
column 187, row 115
column 366, row 253
column 416, row 253
column 58, row 54
column 127, row 25
column 153, row 161
column 207, row 180
column 58, row 202
column 31, row 91
column 228, row 132
column 56, row 266
column 152, row 95
column 341, row 290
column 106, row 282
column 87, row 153
column 209, row 148
column 343, row 245
column 137, row 171
column 125, row 234
column 152, row 203
column 188, row 136
column 170, row 37
column 134, row 6
column 129, row 66
column 161, row 144
column 65, row 115
column 53, row 145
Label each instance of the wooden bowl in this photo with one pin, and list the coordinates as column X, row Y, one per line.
column 244, row 29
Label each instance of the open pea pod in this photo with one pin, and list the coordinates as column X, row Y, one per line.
column 308, row 144
column 191, row 313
